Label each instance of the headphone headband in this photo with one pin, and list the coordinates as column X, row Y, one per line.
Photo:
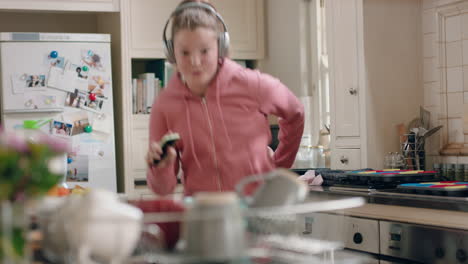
column 223, row 39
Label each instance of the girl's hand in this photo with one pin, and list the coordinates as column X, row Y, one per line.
column 155, row 152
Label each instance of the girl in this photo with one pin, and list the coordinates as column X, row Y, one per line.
column 219, row 109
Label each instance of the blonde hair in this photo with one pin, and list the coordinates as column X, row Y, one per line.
column 195, row 17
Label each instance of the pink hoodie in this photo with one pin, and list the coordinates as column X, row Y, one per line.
column 224, row 136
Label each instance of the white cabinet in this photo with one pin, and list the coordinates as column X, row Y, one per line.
column 146, row 23
column 375, row 77
column 344, row 42
column 62, row 5
column 245, row 22
column 244, row 19
column 346, row 158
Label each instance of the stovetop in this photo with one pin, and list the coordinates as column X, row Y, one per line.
column 396, row 197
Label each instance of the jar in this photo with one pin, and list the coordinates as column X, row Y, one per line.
column 459, row 172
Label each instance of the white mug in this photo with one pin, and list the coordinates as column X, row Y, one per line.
column 214, row 228
column 278, row 188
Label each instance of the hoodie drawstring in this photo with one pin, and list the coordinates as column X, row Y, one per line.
column 222, row 117
column 189, row 126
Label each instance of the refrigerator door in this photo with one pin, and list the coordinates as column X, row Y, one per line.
column 69, row 84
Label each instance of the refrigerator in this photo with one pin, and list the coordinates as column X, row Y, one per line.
column 62, row 85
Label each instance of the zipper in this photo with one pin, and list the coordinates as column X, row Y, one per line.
column 213, row 142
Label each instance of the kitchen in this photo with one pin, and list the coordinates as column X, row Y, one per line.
column 383, row 59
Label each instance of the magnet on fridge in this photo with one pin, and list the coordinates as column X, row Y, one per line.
column 24, row 77
column 90, row 53
column 92, row 97
column 53, row 54
column 101, row 153
column 88, row 129
column 101, row 116
column 28, row 103
column 69, row 160
column 85, row 68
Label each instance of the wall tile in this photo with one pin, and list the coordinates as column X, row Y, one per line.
column 429, row 45
column 456, row 130
column 465, row 99
column 454, row 54
column 464, row 25
column 455, row 105
column 465, row 118
column 465, row 78
column 452, row 28
column 431, row 95
column 454, row 79
column 465, row 52
column 443, row 106
column 429, row 70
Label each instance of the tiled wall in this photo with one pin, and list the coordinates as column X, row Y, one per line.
column 445, row 74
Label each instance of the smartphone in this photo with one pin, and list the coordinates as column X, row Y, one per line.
column 168, row 140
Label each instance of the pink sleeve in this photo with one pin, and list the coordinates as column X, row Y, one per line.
column 161, row 180
column 278, row 100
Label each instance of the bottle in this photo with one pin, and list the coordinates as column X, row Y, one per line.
column 451, row 171
column 438, row 170
column 459, row 172
column 444, row 168
column 465, row 174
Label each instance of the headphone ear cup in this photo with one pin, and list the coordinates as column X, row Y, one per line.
column 169, row 50
column 223, row 44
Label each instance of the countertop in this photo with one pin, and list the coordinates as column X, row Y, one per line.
column 406, row 214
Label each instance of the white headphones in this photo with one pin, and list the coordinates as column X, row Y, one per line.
column 223, row 37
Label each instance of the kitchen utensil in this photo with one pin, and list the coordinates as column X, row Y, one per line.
column 425, row 117
column 415, row 123
column 431, row 131
column 280, row 187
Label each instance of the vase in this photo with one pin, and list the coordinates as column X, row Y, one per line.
column 13, row 229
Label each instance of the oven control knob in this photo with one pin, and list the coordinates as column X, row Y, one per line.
column 357, row 238
column 439, row 253
column 461, row 255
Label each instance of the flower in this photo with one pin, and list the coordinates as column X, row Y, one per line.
column 28, row 165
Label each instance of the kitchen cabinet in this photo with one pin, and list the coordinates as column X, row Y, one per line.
column 375, row 77
column 62, row 5
column 244, row 19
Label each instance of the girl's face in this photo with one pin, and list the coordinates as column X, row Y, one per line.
column 196, row 54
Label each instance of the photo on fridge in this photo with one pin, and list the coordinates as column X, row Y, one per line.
column 92, row 59
column 80, row 71
column 79, row 120
column 78, row 168
column 99, row 86
column 76, row 99
column 60, row 128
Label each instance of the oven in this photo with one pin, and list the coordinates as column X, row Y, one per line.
column 389, row 242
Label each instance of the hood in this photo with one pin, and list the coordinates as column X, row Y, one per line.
column 227, row 70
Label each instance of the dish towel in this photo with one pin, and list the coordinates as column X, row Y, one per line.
column 310, row 178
